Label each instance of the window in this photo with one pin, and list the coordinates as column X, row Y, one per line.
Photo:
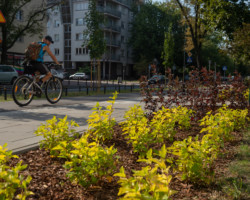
column 5, row 68
column 56, row 51
column 19, row 15
column 56, row 37
column 122, row 25
column 80, row 22
column 56, row 23
column 81, row 6
column 79, row 36
column 81, row 51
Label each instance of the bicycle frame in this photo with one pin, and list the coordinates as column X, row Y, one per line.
column 25, row 88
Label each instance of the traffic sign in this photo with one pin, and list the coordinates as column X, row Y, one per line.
column 2, row 19
column 189, row 60
column 224, row 68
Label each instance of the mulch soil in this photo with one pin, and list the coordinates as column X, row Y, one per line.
column 49, row 181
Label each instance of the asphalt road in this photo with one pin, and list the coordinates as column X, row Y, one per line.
column 17, row 124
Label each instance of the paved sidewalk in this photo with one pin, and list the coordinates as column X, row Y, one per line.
column 17, row 124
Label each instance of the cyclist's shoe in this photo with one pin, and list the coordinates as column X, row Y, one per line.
column 38, row 92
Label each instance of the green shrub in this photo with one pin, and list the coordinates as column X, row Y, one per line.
column 194, row 158
column 100, row 121
column 89, row 162
column 151, row 182
column 55, row 131
column 10, row 180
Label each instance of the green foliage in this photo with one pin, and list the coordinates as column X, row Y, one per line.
column 224, row 122
column 85, row 69
column 151, row 182
column 149, row 24
column 142, row 133
column 165, row 121
column 100, row 121
column 194, row 158
column 10, row 180
column 137, row 130
column 55, row 131
column 168, row 48
column 94, row 35
column 89, row 162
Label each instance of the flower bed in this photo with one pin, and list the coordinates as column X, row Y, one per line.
column 137, row 159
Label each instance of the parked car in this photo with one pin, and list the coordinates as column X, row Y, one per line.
column 8, row 74
column 156, row 79
column 78, row 76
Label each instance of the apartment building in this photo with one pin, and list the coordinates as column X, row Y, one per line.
column 15, row 55
column 67, row 22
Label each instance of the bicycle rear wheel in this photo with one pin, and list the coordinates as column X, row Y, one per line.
column 23, row 91
column 53, row 90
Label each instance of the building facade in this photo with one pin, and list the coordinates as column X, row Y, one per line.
column 66, row 24
column 15, row 54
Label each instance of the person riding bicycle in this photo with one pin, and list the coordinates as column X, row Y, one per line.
column 38, row 65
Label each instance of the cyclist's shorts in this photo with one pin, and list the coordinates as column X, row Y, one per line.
column 38, row 66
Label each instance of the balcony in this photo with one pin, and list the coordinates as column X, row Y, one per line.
column 114, row 43
column 109, row 11
column 110, row 28
column 124, row 2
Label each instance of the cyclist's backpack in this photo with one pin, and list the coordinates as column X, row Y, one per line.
column 32, row 51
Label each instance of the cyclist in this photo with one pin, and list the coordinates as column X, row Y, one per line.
column 38, row 65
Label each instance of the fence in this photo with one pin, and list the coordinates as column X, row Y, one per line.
column 82, row 87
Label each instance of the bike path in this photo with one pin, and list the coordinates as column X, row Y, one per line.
column 18, row 124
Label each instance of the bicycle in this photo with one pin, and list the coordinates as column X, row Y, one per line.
column 25, row 87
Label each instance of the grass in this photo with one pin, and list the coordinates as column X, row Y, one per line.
column 237, row 184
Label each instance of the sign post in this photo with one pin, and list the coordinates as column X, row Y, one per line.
column 224, row 69
column 2, row 19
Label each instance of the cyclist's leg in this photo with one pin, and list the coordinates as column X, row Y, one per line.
column 44, row 70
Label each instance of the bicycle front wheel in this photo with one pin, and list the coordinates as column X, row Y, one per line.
column 23, row 90
column 53, row 90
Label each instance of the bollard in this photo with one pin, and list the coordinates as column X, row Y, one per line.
column 68, row 82
column 66, row 91
column 5, row 93
column 86, row 83
column 87, row 91
column 119, row 89
column 78, row 81
column 79, row 88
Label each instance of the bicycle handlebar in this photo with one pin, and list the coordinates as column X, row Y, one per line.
column 54, row 66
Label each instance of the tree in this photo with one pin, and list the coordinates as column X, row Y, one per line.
column 94, row 38
column 168, row 49
column 150, row 23
column 31, row 23
column 204, row 16
column 239, row 48
column 212, row 49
